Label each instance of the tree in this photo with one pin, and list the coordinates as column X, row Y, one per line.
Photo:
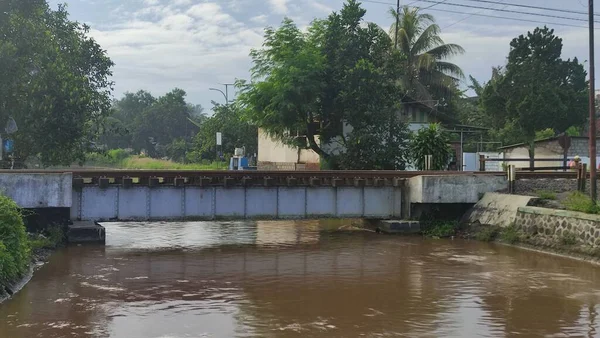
column 55, row 81
column 431, row 141
column 236, row 133
column 427, row 75
column 340, row 74
column 537, row 90
column 167, row 120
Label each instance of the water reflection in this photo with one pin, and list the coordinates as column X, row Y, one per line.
column 292, row 279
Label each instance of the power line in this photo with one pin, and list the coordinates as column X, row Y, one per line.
column 435, row 4
column 532, row 7
column 484, row 15
column 508, row 11
column 469, row 16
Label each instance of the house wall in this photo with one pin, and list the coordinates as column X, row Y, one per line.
column 550, row 149
column 273, row 155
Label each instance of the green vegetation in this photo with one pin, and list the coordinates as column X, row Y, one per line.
column 546, row 195
column 307, row 87
column 427, row 75
column 440, row 229
column 14, row 245
column 510, row 235
column 568, row 238
column 578, row 201
column 431, row 141
column 55, row 81
column 52, row 238
column 487, row 234
column 114, row 159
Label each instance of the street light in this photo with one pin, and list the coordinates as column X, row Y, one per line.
column 225, row 93
column 220, row 91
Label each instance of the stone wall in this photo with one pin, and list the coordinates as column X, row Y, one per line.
column 559, row 225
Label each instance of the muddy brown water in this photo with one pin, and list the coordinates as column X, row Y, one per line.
column 298, row 279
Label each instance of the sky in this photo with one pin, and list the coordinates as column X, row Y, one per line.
column 158, row 45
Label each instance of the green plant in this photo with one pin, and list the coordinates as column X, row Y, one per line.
column 487, row 234
column 431, row 141
column 510, row 235
column 578, row 201
column 568, row 238
column 546, row 195
column 440, row 229
column 14, row 245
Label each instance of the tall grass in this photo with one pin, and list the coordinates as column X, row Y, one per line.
column 121, row 159
column 581, row 202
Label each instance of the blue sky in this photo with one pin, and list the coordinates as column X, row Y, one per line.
column 158, row 45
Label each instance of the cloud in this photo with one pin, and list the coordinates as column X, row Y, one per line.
column 161, row 47
column 259, row 19
column 320, row 7
column 279, row 6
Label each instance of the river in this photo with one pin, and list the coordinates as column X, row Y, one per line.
column 299, row 279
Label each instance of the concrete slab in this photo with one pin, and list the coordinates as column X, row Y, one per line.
column 399, row 227
column 496, row 209
column 38, row 190
column 453, row 188
column 86, row 232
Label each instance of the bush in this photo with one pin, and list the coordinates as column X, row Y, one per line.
column 487, row 234
column 578, row 201
column 546, row 195
column 568, row 239
column 52, row 238
column 441, row 229
column 510, row 235
column 14, row 245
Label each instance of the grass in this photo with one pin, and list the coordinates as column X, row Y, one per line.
column 578, row 201
column 52, row 238
column 119, row 159
column 440, row 229
column 568, row 239
column 510, row 235
column 487, row 234
column 137, row 162
column 546, row 195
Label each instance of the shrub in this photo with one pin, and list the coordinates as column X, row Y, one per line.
column 546, row 195
column 14, row 245
column 53, row 237
column 510, row 235
column 487, row 234
column 441, row 229
column 568, row 239
column 578, row 201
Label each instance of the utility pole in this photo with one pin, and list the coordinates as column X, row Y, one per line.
column 397, row 24
column 592, row 107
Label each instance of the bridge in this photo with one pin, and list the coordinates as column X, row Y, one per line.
column 136, row 195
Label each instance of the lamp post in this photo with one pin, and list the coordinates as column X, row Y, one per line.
column 225, row 93
column 592, row 107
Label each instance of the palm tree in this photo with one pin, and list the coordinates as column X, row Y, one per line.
column 427, row 75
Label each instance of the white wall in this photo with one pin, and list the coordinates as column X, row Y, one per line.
column 270, row 150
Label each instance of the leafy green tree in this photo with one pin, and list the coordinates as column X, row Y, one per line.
column 168, row 119
column 427, row 73
column 236, row 133
column 341, row 72
column 431, row 141
column 537, row 90
column 55, row 81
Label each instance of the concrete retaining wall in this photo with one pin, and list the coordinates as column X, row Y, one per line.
column 496, row 209
column 453, row 189
column 38, row 190
column 559, row 225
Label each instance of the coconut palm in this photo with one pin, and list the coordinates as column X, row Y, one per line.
column 428, row 76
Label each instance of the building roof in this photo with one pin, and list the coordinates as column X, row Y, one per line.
column 553, row 138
